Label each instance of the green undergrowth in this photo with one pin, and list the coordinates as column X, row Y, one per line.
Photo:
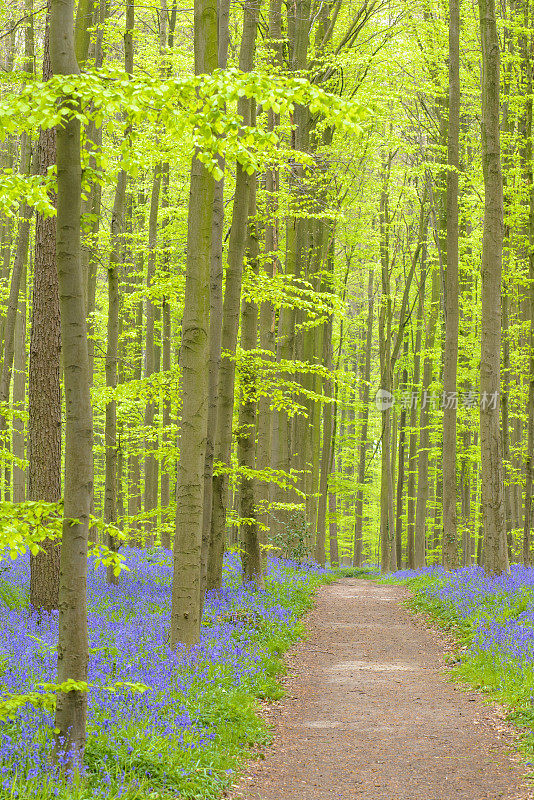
column 356, row 572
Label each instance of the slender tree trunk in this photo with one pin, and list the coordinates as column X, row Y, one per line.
column 265, row 456
column 186, row 599
column 19, row 266
column 151, row 465
column 465, row 485
column 424, row 428
column 505, row 416
column 246, row 435
column 412, row 457
column 364, row 427
column 231, row 310
column 19, row 398
column 72, row 640
column 495, row 551
column 401, row 462
column 529, row 460
column 166, row 421
column 216, row 313
column 450, row 362
column 327, row 454
column 134, row 467
column 386, row 380
column 332, row 526
column 112, row 356
column 112, row 339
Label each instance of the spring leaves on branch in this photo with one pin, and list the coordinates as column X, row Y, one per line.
column 200, row 107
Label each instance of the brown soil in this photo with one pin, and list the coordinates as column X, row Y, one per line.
column 371, row 715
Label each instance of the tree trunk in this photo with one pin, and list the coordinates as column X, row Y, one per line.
column 151, row 464
column 72, row 640
column 19, row 266
column 246, row 435
column 19, row 398
column 401, row 461
column 216, row 314
column 134, row 465
column 231, row 311
column 112, row 339
column 332, row 526
column 186, row 600
column 327, row 454
column 112, row 356
column 529, row 460
column 450, row 361
column 424, row 428
column 267, row 318
column 412, row 456
column 495, row 551
column 364, row 427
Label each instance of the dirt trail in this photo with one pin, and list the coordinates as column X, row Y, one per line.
column 370, row 714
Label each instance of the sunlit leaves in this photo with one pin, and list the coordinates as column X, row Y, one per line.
column 201, row 107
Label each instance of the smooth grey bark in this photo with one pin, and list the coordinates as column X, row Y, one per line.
column 529, row 460
column 112, row 475
column 332, row 526
column 412, row 451
column 265, row 456
column 134, row 461
column 327, row 455
column 424, row 428
column 194, row 361
column 387, row 550
column 150, row 499
column 364, row 425
column 166, row 41
column 71, row 707
column 246, row 432
column 111, row 364
column 401, row 460
column 450, row 355
column 216, row 312
column 231, row 310
column 495, row 550
column 166, row 332
column 389, row 351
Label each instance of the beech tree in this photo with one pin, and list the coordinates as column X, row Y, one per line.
column 495, row 551
column 72, row 638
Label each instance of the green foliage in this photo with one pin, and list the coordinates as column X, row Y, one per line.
column 356, row 572
column 25, row 526
column 201, row 105
column 11, row 704
column 12, row 596
column 293, row 539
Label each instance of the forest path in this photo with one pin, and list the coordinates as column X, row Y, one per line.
column 371, row 715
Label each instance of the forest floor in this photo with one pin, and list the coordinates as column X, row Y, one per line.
column 370, row 713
